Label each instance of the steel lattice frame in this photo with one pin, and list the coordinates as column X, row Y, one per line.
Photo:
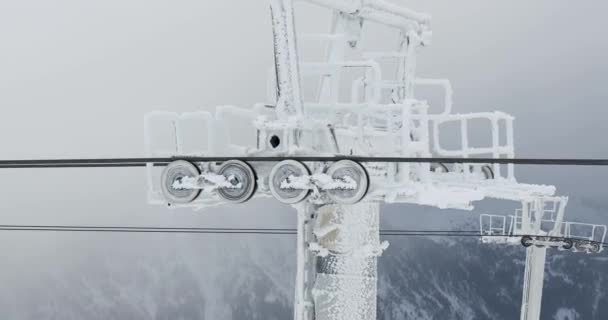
column 338, row 242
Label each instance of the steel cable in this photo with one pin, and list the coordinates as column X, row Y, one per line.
column 142, row 162
column 250, row 231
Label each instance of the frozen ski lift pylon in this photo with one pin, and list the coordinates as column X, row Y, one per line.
column 539, row 225
column 540, row 222
column 380, row 116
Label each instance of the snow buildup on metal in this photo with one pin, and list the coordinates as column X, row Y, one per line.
column 345, row 286
column 338, row 202
column 321, row 181
column 289, row 101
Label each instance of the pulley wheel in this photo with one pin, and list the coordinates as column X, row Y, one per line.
column 174, row 172
column 567, row 244
column 242, row 178
column 439, row 167
column 487, row 171
column 343, row 169
column 280, row 173
column 526, row 241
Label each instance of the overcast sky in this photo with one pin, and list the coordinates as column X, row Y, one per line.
column 76, row 78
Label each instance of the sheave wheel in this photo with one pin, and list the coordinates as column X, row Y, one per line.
column 487, row 171
column 526, row 241
column 242, row 178
column 348, row 169
column 567, row 244
column 281, row 173
column 439, row 167
column 175, row 172
column 595, row 247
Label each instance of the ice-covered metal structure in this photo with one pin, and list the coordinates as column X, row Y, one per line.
column 363, row 103
column 539, row 225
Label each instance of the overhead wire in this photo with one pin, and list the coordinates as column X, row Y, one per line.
column 245, row 231
column 142, row 162
column 163, row 161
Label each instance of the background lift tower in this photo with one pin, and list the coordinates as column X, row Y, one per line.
column 540, row 225
column 358, row 109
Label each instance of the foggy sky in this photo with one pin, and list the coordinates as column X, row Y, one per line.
column 76, row 78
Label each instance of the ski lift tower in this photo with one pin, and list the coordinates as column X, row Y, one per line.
column 337, row 199
column 539, row 225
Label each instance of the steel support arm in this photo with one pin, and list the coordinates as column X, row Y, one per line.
column 289, row 100
column 379, row 11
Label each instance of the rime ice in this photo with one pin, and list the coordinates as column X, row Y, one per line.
column 338, row 201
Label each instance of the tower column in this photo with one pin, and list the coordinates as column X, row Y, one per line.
column 345, row 287
column 534, row 275
column 306, row 262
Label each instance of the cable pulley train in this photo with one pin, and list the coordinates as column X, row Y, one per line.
column 289, row 181
column 354, row 101
column 374, row 114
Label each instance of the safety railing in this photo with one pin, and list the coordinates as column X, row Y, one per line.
column 586, row 231
column 168, row 134
column 492, row 225
column 550, row 208
column 497, row 226
column 165, row 133
column 370, row 122
column 498, row 122
column 197, row 133
column 544, row 217
column 373, row 74
column 579, row 237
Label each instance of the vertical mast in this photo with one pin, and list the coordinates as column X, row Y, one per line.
column 306, row 264
column 289, row 100
column 533, row 283
column 534, row 274
column 347, row 274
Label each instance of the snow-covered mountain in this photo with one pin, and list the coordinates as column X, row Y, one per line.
column 465, row 279
column 190, row 278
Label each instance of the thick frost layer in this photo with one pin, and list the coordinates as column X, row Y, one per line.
column 348, row 237
column 320, row 181
column 208, row 182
